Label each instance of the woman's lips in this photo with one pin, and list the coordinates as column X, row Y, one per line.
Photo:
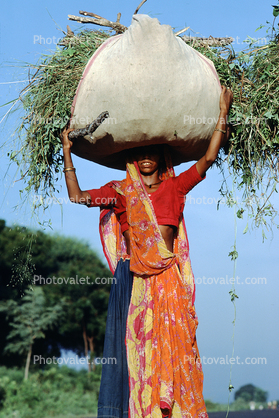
column 146, row 163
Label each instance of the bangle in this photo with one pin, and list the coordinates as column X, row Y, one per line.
column 69, row 169
column 220, row 130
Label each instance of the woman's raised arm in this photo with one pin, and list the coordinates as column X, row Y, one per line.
column 76, row 195
column 220, row 135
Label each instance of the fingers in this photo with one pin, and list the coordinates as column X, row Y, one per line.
column 65, row 138
column 226, row 98
column 66, row 131
column 227, row 91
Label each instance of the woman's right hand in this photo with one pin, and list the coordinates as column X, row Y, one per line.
column 67, row 144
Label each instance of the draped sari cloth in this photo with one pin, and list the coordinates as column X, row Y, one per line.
column 163, row 359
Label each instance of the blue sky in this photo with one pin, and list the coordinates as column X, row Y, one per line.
column 211, row 232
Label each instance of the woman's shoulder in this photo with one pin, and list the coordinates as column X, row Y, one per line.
column 188, row 179
column 117, row 185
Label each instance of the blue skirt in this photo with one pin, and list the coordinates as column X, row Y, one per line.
column 114, row 390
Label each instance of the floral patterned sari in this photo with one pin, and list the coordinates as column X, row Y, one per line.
column 163, row 358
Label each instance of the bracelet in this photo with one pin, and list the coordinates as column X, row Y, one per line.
column 69, row 169
column 220, row 130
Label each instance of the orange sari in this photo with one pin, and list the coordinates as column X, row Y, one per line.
column 163, row 358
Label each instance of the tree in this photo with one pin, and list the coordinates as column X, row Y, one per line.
column 82, row 328
column 29, row 320
column 23, row 251
column 251, row 393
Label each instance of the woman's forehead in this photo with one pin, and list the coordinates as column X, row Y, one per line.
column 148, row 149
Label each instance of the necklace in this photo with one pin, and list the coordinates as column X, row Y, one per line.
column 154, row 184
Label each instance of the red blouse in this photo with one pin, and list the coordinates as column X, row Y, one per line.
column 168, row 200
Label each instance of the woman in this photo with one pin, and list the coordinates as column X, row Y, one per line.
column 142, row 220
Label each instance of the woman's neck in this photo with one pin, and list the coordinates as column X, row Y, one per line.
column 151, row 178
column 151, row 182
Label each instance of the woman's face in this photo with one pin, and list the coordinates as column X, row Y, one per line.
column 148, row 159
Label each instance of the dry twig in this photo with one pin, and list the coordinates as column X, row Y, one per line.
column 119, row 28
column 182, row 31
column 98, row 20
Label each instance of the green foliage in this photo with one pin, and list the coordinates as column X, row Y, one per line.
column 84, row 306
column 15, row 262
column 240, row 404
column 29, row 319
column 213, row 406
column 47, row 103
column 233, row 254
column 233, row 297
column 66, row 392
column 54, row 391
column 275, row 11
column 17, row 266
column 251, row 393
column 251, row 155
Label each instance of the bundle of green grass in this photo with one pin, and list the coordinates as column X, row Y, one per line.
column 250, row 157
